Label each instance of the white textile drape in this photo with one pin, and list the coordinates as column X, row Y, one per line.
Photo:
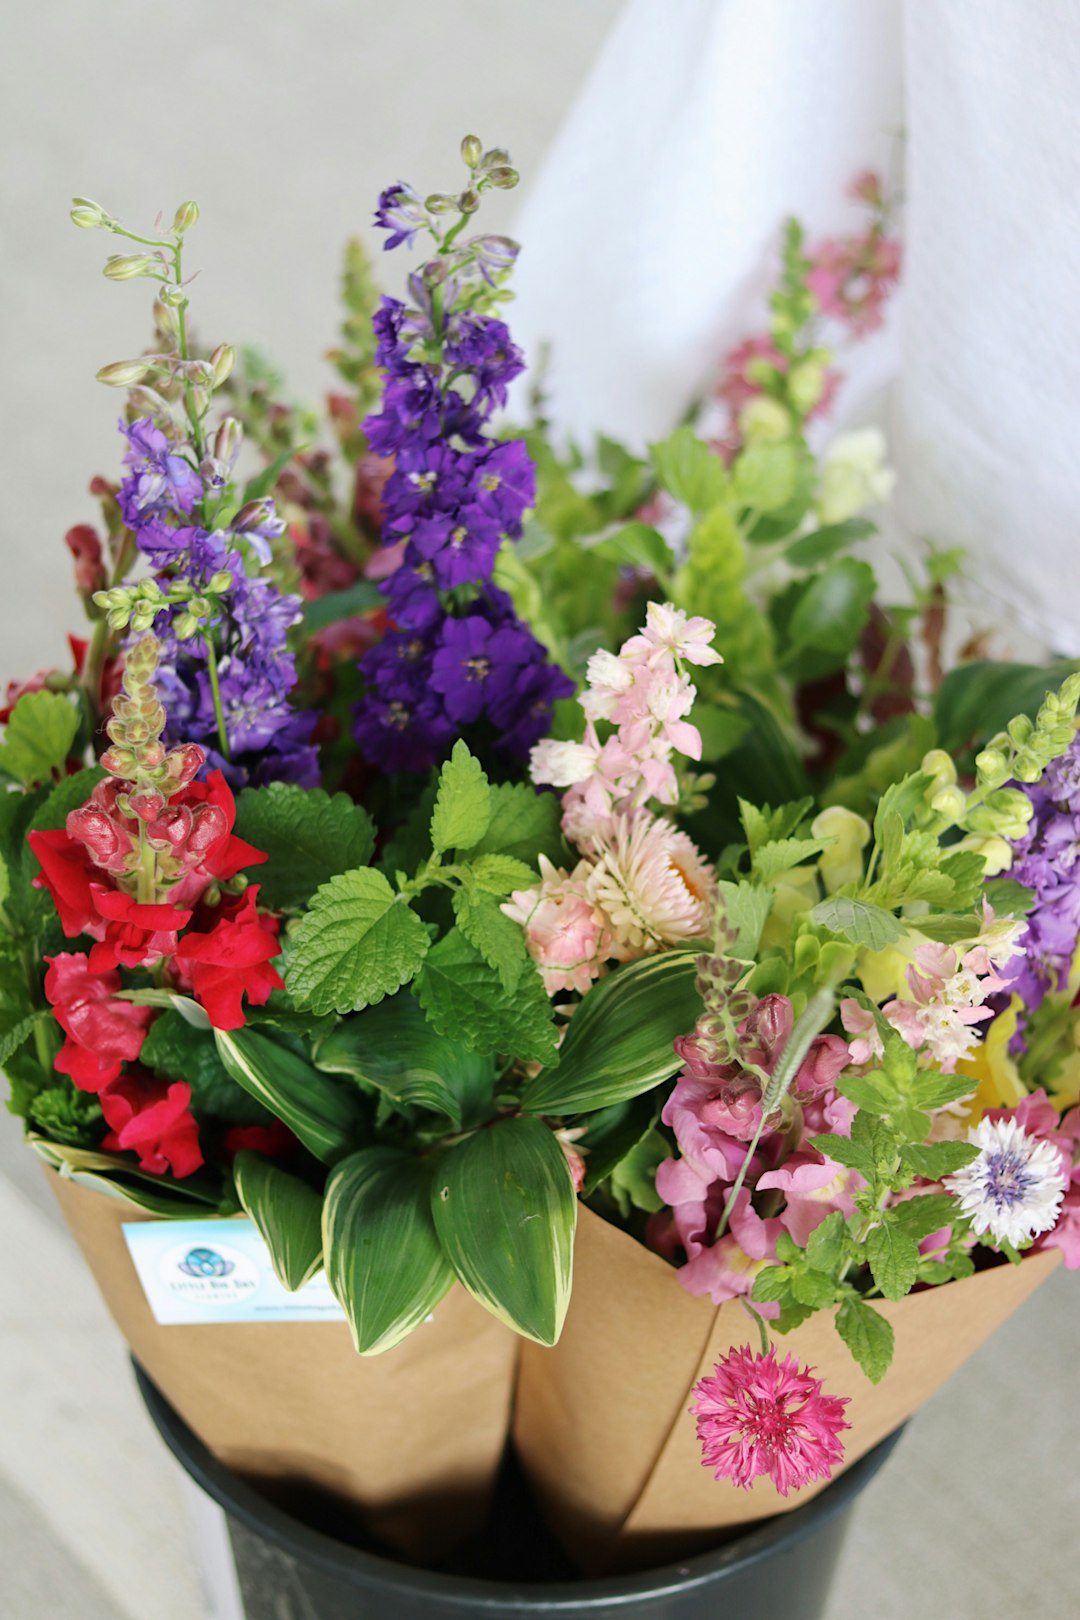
column 652, row 226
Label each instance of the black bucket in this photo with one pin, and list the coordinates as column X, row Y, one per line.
column 290, row 1570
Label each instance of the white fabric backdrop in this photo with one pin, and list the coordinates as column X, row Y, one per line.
column 650, row 228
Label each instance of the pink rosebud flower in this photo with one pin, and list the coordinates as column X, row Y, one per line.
column 566, row 934
column 757, row 1416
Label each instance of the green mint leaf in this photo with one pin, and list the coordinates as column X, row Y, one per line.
column 772, row 1285
column 825, row 1245
column 524, row 824
column 858, row 921
column 689, row 470
column 502, row 874
column 925, row 1213
column 834, row 607
column 813, row 1288
column 464, row 1000
column 871, row 1092
column 936, row 1159
column 746, row 910
column 463, row 807
column 633, row 1180
column 781, row 854
column 788, row 1250
column 308, row 837
column 867, row 1335
column 38, row 737
column 843, row 1150
column 500, row 942
column 358, row 943
column 932, row 1090
column 894, row 1259
column 765, row 476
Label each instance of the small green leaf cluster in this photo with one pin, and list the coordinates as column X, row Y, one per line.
column 848, row 1261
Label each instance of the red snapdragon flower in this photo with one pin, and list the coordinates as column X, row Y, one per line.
column 232, row 960
column 134, row 935
column 102, row 1032
column 275, row 1140
column 152, row 1118
column 66, row 871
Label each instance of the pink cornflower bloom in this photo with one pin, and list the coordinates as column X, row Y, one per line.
column 756, row 1416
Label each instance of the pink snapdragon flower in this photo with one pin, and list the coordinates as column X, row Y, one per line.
column 852, row 278
column 859, row 1021
column 645, row 693
column 757, row 1416
column 566, row 933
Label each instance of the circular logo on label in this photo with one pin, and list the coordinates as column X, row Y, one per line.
column 208, row 1276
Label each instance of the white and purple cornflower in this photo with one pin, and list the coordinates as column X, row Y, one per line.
column 457, row 654
column 1014, row 1189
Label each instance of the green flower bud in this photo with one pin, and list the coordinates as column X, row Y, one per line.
column 1021, row 730
column 842, row 861
column 503, row 177
column 440, row 203
column 806, row 384
column 174, row 296
column 938, row 764
column 997, row 855
column 185, row 625
column 219, row 582
column 126, row 266
column 165, row 319
column 185, row 217
column 468, row 202
column 1027, row 767
column 87, row 215
column 764, row 420
column 472, row 150
column 118, row 618
column 222, row 361
column 122, row 373
column 991, row 766
column 228, row 439
column 949, row 802
column 495, row 157
column 142, row 619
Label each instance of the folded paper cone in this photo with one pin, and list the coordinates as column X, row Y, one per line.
column 407, row 1442
column 602, row 1423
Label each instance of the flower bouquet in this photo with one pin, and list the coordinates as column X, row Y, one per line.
column 471, row 860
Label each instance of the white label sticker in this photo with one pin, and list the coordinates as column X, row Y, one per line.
column 219, row 1271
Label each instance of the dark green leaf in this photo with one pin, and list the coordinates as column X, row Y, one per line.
column 264, row 480
column 500, row 942
column 746, row 908
column 308, row 837
column 619, row 1042
column 464, row 999
column 977, row 700
column 384, row 1261
column 322, row 1113
column 823, row 544
column 825, row 1245
column 607, row 1148
column 358, row 943
column 832, row 611
column 639, row 546
column 288, row 1214
column 394, row 1048
column 363, row 597
column 505, row 1211
column 177, row 1051
column 867, row 1335
column 524, row 823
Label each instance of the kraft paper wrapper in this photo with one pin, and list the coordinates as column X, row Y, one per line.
column 411, row 1439
column 601, row 1422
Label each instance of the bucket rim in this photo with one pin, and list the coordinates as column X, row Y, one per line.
column 505, row 1598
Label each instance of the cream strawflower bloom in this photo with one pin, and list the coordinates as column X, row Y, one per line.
column 652, row 883
column 1014, row 1189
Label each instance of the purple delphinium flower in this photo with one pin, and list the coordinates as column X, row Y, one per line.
column 1047, row 860
column 400, row 211
column 454, row 492
column 268, row 739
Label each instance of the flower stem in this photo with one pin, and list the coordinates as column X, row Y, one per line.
column 182, row 344
column 215, row 690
